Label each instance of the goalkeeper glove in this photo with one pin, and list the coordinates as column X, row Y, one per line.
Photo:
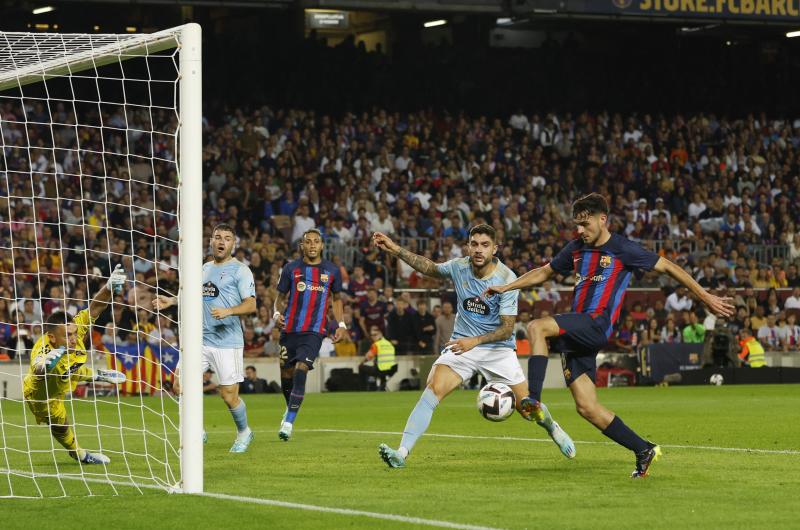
column 117, row 279
column 110, row 376
column 52, row 358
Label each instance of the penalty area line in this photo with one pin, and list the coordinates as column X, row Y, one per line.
column 346, row 511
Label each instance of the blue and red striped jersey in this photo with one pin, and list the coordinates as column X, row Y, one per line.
column 309, row 288
column 602, row 274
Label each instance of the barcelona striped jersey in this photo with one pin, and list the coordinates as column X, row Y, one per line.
column 309, row 288
column 602, row 274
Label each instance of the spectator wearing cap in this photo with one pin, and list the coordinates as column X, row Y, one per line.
column 661, row 210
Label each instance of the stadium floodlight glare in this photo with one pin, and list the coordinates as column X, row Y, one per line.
column 434, row 23
column 43, row 10
column 793, row 34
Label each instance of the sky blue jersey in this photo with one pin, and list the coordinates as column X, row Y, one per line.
column 225, row 285
column 477, row 315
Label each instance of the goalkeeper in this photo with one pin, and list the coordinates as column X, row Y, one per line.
column 58, row 364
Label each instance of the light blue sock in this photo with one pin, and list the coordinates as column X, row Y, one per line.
column 419, row 420
column 239, row 414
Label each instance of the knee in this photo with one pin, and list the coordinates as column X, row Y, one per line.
column 585, row 409
column 287, row 373
column 437, row 389
column 536, row 329
column 303, row 367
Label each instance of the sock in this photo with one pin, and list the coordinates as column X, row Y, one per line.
column 537, row 368
column 297, row 395
column 286, row 388
column 239, row 414
column 64, row 436
column 623, row 435
column 418, row 421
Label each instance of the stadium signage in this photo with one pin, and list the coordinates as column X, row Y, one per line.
column 761, row 10
column 318, row 19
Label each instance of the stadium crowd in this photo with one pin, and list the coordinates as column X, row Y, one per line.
column 719, row 196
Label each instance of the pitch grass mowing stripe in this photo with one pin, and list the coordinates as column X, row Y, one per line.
column 270, row 502
column 547, row 440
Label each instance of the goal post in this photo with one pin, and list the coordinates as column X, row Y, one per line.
column 101, row 164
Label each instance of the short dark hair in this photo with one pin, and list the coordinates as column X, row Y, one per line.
column 251, row 367
column 591, row 204
column 224, row 227
column 483, row 228
column 59, row 318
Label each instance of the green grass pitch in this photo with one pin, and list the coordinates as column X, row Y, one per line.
column 504, row 475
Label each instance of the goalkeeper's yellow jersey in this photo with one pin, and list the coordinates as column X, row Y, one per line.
column 68, row 371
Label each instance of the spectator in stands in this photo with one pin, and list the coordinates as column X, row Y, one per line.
column 670, row 333
column 694, row 332
column 757, row 318
column 359, row 284
column 625, row 338
column 549, row 293
column 253, row 344
column 426, row 324
column 373, row 311
column 272, row 348
column 209, row 386
column 790, row 334
column 253, row 384
column 769, row 334
column 402, row 330
column 652, row 333
column 444, row 326
column 793, row 301
column 678, row 300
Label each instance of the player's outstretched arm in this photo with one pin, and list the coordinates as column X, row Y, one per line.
column 722, row 307
column 162, row 302
column 418, row 263
column 103, row 297
column 503, row 332
column 529, row 279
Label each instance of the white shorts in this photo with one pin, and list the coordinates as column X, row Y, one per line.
column 227, row 363
column 497, row 365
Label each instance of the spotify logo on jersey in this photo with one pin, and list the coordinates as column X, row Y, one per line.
column 476, row 305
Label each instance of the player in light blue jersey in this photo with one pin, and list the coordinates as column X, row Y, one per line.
column 228, row 293
column 482, row 339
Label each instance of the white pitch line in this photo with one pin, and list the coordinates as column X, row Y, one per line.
column 256, row 500
column 346, row 511
column 547, row 440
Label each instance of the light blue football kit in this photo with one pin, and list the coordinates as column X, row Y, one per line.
column 225, row 285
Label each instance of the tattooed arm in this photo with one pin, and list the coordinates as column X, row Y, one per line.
column 417, row 262
column 503, row 332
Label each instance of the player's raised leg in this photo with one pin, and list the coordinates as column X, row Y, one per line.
column 441, row 382
column 585, row 395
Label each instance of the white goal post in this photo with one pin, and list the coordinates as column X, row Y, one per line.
column 52, row 160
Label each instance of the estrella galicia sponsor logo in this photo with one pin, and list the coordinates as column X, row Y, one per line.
column 476, row 305
column 210, row 291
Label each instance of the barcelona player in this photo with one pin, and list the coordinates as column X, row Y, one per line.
column 603, row 264
column 305, row 287
column 482, row 340
column 58, row 364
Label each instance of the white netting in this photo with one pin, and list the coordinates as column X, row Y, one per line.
column 89, row 179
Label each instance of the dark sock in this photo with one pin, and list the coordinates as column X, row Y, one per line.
column 623, row 435
column 286, row 388
column 537, row 367
column 297, row 395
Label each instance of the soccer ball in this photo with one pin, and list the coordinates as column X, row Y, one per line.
column 716, row 379
column 496, row 401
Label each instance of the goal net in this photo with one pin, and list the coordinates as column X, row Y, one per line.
column 96, row 132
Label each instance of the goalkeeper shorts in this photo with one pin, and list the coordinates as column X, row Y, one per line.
column 227, row 363
column 47, row 411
